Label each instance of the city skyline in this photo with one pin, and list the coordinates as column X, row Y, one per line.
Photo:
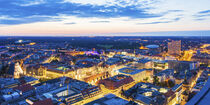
column 104, row 17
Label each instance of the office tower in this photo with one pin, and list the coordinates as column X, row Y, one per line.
column 174, row 47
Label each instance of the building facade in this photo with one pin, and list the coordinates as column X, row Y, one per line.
column 174, row 47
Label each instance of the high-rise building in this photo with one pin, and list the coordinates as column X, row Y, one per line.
column 174, row 47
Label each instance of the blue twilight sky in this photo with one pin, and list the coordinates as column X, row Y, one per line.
column 104, row 17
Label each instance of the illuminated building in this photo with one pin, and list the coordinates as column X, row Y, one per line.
column 203, row 58
column 187, row 86
column 75, row 53
column 182, row 65
column 144, row 64
column 178, row 91
column 67, row 90
column 95, row 78
column 137, row 74
column 92, row 70
column 15, row 70
column 34, row 70
column 165, row 75
column 146, row 94
column 174, row 47
column 22, row 41
column 55, row 72
column 116, row 81
column 143, row 48
column 170, row 97
column 50, row 59
column 160, row 65
column 33, row 43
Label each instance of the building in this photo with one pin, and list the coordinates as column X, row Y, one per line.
column 15, row 70
column 187, row 86
column 178, row 91
column 182, row 65
column 11, row 83
column 41, row 102
column 174, row 47
column 66, row 90
column 203, row 58
column 144, row 64
column 201, row 98
column 91, row 70
column 110, row 99
column 146, row 94
column 25, row 90
column 170, row 98
column 153, row 49
column 116, row 81
column 56, row 71
column 165, row 75
column 137, row 74
column 160, row 64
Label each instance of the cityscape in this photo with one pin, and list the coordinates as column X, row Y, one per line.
column 104, row 70
column 104, row 52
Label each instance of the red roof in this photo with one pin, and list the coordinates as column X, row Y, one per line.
column 24, row 87
column 44, row 102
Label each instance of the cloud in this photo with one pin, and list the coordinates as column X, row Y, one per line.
column 158, row 22
column 25, row 20
column 30, row 2
column 104, row 21
column 71, row 23
column 204, row 12
column 201, row 15
column 200, row 19
column 22, row 10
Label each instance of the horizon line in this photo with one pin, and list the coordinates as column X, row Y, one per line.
column 155, row 33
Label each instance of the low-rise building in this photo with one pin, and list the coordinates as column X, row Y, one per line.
column 25, row 90
column 165, row 75
column 145, row 93
column 66, row 90
column 144, row 64
column 116, row 81
column 137, row 74
column 110, row 99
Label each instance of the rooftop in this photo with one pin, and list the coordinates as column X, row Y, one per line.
column 24, row 88
column 118, row 77
column 165, row 72
column 131, row 71
column 143, row 61
column 152, row 46
column 44, row 102
column 144, row 99
column 109, row 99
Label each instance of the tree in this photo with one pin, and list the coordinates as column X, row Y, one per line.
column 146, row 79
column 171, row 83
column 163, row 84
column 155, row 80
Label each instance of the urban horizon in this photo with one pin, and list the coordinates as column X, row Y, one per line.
column 201, row 33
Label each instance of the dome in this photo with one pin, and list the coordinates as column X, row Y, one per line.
column 152, row 46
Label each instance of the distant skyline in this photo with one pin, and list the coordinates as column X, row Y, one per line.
column 104, row 17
